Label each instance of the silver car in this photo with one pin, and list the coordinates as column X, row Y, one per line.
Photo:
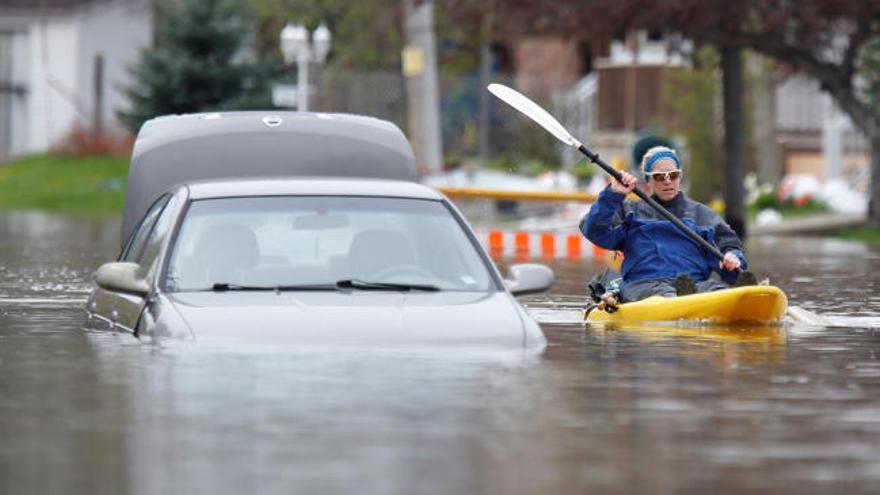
column 313, row 260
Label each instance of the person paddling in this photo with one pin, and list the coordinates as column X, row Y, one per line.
column 658, row 258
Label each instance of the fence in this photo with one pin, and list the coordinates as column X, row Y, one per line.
column 512, row 139
column 524, row 245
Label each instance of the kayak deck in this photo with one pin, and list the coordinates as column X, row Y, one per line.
column 756, row 303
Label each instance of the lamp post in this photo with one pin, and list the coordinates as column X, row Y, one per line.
column 295, row 46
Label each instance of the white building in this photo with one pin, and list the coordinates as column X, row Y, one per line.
column 48, row 57
column 815, row 137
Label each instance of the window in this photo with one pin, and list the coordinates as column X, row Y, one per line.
column 274, row 241
column 153, row 245
column 135, row 246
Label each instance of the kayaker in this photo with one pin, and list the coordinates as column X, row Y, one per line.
column 658, row 258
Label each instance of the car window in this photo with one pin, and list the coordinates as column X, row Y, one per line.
column 153, row 245
column 135, row 246
column 321, row 240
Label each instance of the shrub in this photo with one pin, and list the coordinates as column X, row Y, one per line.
column 86, row 141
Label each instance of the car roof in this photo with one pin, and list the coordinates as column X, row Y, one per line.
column 310, row 187
column 178, row 149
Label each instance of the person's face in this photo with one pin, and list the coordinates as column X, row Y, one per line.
column 661, row 184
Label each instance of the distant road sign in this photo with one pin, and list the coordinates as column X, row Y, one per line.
column 413, row 61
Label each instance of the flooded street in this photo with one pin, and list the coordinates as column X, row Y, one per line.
column 792, row 409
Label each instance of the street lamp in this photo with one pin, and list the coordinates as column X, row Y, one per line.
column 295, row 46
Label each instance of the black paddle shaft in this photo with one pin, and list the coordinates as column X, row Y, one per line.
column 594, row 157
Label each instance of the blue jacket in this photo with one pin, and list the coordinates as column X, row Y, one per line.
column 652, row 246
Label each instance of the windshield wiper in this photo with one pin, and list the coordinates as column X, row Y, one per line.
column 342, row 284
column 223, row 287
column 362, row 285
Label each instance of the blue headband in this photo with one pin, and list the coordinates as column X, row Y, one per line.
column 656, row 157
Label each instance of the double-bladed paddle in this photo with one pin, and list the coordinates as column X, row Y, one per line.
column 532, row 110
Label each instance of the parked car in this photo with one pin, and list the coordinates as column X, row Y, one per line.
column 300, row 238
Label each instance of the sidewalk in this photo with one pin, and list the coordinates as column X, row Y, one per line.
column 813, row 224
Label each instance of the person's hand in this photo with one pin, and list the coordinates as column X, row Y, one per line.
column 730, row 262
column 627, row 185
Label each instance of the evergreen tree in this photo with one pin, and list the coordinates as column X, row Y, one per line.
column 197, row 64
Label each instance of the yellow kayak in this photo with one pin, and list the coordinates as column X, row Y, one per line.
column 771, row 332
column 755, row 304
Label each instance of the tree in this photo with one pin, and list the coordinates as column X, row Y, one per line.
column 824, row 39
column 692, row 96
column 870, row 71
column 367, row 34
column 197, row 64
column 368, row 39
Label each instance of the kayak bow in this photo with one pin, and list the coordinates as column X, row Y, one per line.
column 755, row 303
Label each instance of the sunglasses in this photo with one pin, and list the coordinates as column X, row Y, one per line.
column 662, row 176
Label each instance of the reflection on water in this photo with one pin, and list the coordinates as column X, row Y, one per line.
column 654, row 409
column 48, row 257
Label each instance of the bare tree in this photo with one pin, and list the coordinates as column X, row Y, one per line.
column 821, row 38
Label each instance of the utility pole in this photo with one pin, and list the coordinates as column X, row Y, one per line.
column 734, row 192
column 420, row 69
column 485, row 74
column 833, row 124
column 98, row 95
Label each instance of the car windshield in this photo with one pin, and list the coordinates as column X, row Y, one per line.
column 324, row 243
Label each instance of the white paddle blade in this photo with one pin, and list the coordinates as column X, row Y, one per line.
column 531, row 109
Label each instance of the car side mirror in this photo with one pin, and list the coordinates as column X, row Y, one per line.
column 529, row 278
column 122, row 276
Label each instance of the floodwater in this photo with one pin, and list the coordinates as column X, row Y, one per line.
column 793, row 409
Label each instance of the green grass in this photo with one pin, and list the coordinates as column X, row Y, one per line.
column 88, row 185
column 864, row 234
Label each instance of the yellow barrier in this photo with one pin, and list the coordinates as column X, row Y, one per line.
column 478, row 193
column 474, row 192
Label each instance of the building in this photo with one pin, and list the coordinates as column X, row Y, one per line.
column 814, row 137
column 607, row 91
column 604, row 90
column 65, row 63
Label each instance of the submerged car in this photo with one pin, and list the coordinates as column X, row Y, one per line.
column 257, row 246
